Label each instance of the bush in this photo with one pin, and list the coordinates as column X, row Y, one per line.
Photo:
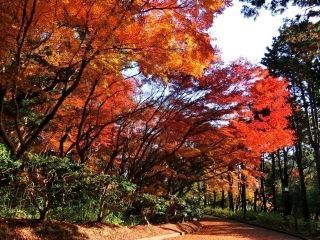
column 151, row 207
column 52, row 182
column 110, row 194
column 192, row 208
column 10, row 202
column 156, row 209
column 9, row 166
column 61, row 189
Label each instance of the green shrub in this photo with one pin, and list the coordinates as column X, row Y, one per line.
column 52, row 182
column 192, row 208
column 150, row 206
column 110, row 194
column 114, row 218
column 9, row 166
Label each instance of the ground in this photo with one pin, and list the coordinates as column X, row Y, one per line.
column 211, row 229
column 221, row 229
column 12, row 229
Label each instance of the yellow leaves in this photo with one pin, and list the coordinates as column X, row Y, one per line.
column 198, row 54
column 245, row 172
column 180, row 52
column 57, row 49
column 213, row 5
column 111, row 62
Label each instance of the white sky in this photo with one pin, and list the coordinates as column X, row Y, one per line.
column 237, row 36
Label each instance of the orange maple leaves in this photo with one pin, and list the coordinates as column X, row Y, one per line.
column 265, row 123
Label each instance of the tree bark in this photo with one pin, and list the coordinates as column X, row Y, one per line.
column 262, row 187
column 286, row 200
column 231, row 202
column 214, row 203
column 255, row 199
column 243, row 192
column 222, row 199
column 43, row 214
column 273, row 186
column 230, row 192
column 303, row 190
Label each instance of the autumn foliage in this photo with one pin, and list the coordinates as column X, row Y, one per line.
column 134, row 89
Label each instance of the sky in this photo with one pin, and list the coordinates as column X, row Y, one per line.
column 237, row 36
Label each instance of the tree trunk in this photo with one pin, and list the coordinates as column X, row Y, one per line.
column 317, row 160
column 214, row 203
column 286, row 200
column 243, row 192
column 262, row 188
column 243, row 198
column 205, row 193
column 303, row 191
column 222, row 199
column 230, row 191
column 43, row 213
column 100, row 214
column 255, row 199
column 310, row 105
column 231, row 203
column 273, row 186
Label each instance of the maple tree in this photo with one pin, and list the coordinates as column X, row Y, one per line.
column 53, row 47
column 252, row 7
column 265, row 124
column 260, row 126
column 187, row 134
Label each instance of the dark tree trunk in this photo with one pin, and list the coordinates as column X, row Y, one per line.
column 255, row 199
column 317, row 160
column 305, row 205
column 205, row 193
column 243, row 198
column 43, row 214
column 230, row 191
column 100, row 217
column 214, row 202
column 222, row 199
column 243, row 192
column 286, row 200
column 262, row 189
column 310, row 103
column 231, row 203
column 273, row 186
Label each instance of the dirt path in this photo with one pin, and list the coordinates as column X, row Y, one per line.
column 220, row 229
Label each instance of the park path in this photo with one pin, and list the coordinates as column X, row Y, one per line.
column 221, row 229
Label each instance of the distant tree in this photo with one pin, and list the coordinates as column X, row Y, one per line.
column 252, row 7
column 294, row 55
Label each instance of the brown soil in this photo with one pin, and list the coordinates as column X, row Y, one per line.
column 12, row 229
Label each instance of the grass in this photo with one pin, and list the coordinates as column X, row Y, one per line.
column 271, row 220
